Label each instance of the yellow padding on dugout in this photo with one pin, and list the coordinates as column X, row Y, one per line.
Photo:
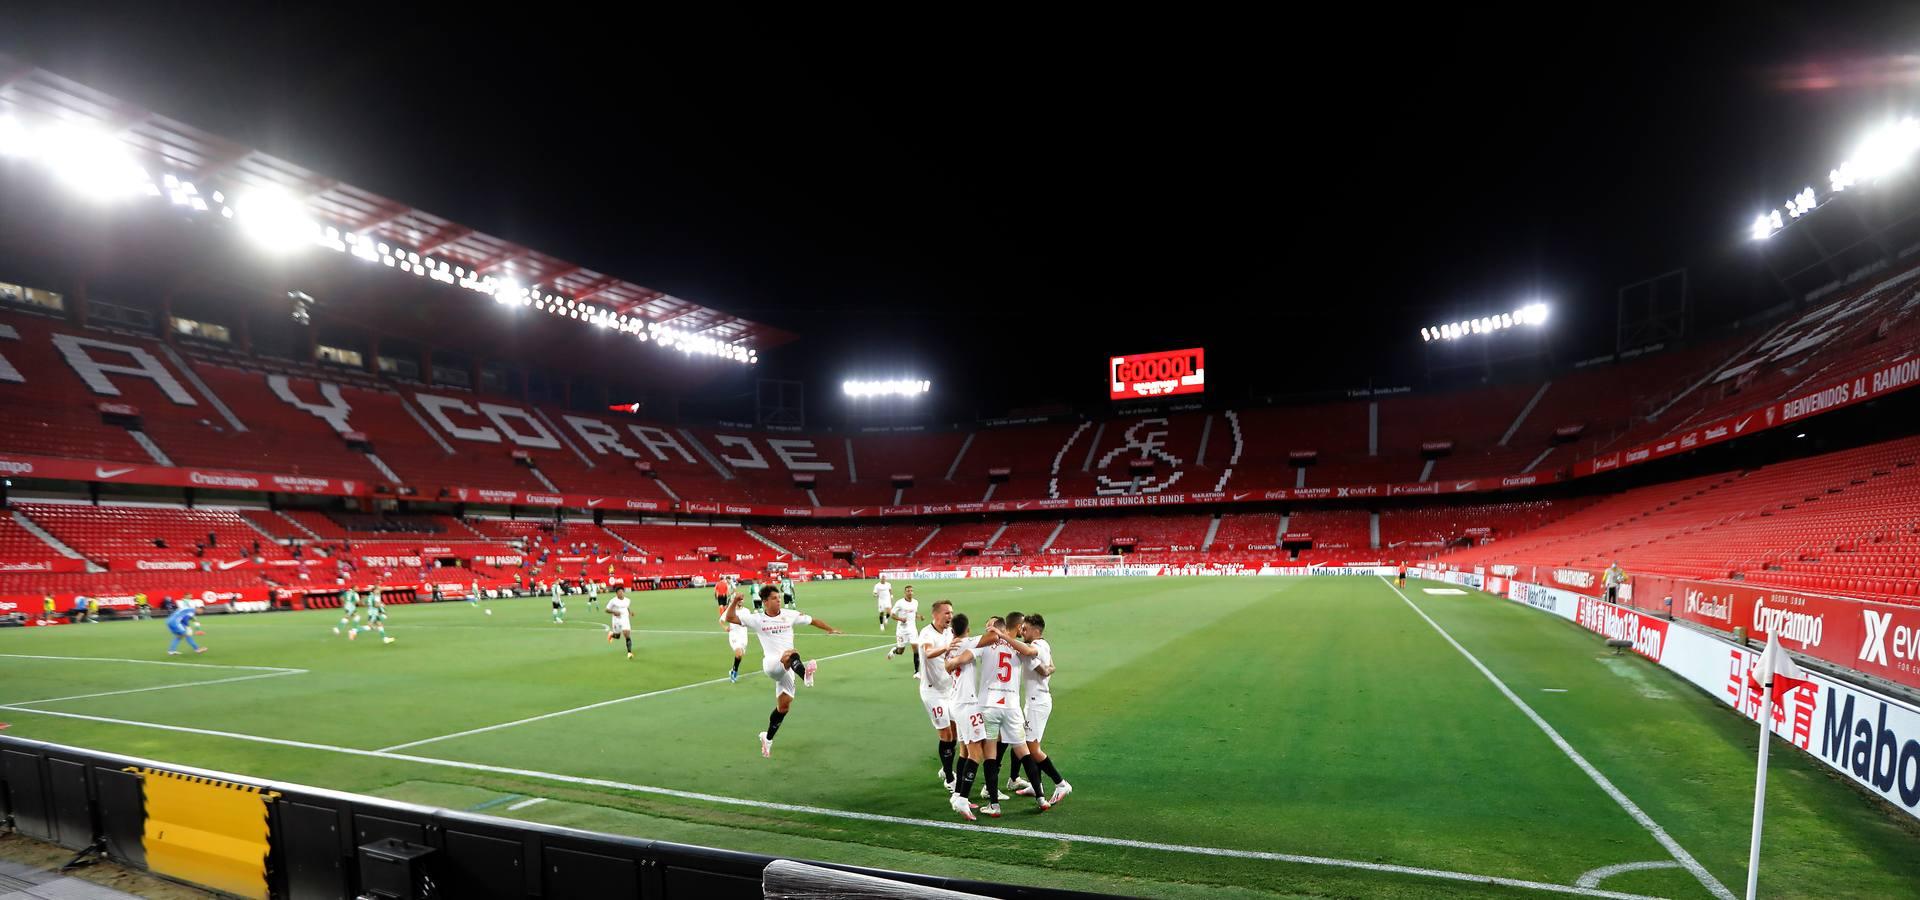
column 207, row 832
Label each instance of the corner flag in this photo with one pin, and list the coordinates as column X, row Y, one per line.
column 1774, row 673
column 1774, row 667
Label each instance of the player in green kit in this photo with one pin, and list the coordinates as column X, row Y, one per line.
column 349, row 618
column 376, row 618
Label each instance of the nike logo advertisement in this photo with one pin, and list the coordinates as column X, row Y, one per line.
column 1239, row 496
column 231, row 564
column 1743, row 425
column 109, row 473
column 594, row 502
column 1464, row 485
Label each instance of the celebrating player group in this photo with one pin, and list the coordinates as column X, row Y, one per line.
column 989, row 694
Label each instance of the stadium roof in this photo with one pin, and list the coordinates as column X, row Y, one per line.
column 200, row 155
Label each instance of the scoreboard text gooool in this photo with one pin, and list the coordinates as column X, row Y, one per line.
column 1162, row 374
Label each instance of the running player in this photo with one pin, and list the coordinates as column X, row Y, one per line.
column 473, row 594
column 1039, row 708
column 786, row 592
column 905, row 613
column 349, row 614
column 376, row 617
column 779, row 661
column 883, row 600
column 556, row 590
column 620, row 623
column 181, row 623
column 559, row 610
column 593, row 594
column 969, row 722
column 936, row 683
column 736, row 640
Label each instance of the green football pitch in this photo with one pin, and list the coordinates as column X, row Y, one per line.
column 1225, row 737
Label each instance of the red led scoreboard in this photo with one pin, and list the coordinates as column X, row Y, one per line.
column 1162, row 374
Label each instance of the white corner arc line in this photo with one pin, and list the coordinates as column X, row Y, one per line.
column 1593, row 878
column 1660, row 834
column 591, row 706
column 875, row 817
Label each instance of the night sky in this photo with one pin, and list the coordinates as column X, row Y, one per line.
column 998, row 203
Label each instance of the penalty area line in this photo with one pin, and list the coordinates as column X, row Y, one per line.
column 591, row 706
column 1050, row 836
column 164, row 687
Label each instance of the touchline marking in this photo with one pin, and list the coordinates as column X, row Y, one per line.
column 526, row 803
column 603, row 629
column 1593, row 878
column 875, row 817
column 603, row 703
column 1666, row 840
column 1553, row 690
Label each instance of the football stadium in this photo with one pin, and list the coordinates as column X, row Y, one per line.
column 354, row 548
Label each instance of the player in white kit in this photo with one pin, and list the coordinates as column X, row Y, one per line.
column 969, row 723
column 621, row 623
column 1002, row 661
column 905, row 615
column 936, row 684
column 883, row 600
column 1039, row 708
column 736, row 639
column 779, row 661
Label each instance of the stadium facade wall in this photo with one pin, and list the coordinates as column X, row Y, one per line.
column 103, row 471
column 1867, row 737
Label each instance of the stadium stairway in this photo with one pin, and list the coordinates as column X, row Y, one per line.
column 24, row 539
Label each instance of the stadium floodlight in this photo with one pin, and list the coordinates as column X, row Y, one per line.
column 507, row 291
column 1801, row 204
column 889, row 388
column 14, row 139
column 1886, row 150
column 275, row 221
column 1534, row 314
column 95, row 165
column 1884, row 153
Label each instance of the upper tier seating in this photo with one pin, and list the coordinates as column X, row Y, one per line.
column 1841, row 523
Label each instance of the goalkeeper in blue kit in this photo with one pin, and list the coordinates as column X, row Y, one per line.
column 181, row 623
